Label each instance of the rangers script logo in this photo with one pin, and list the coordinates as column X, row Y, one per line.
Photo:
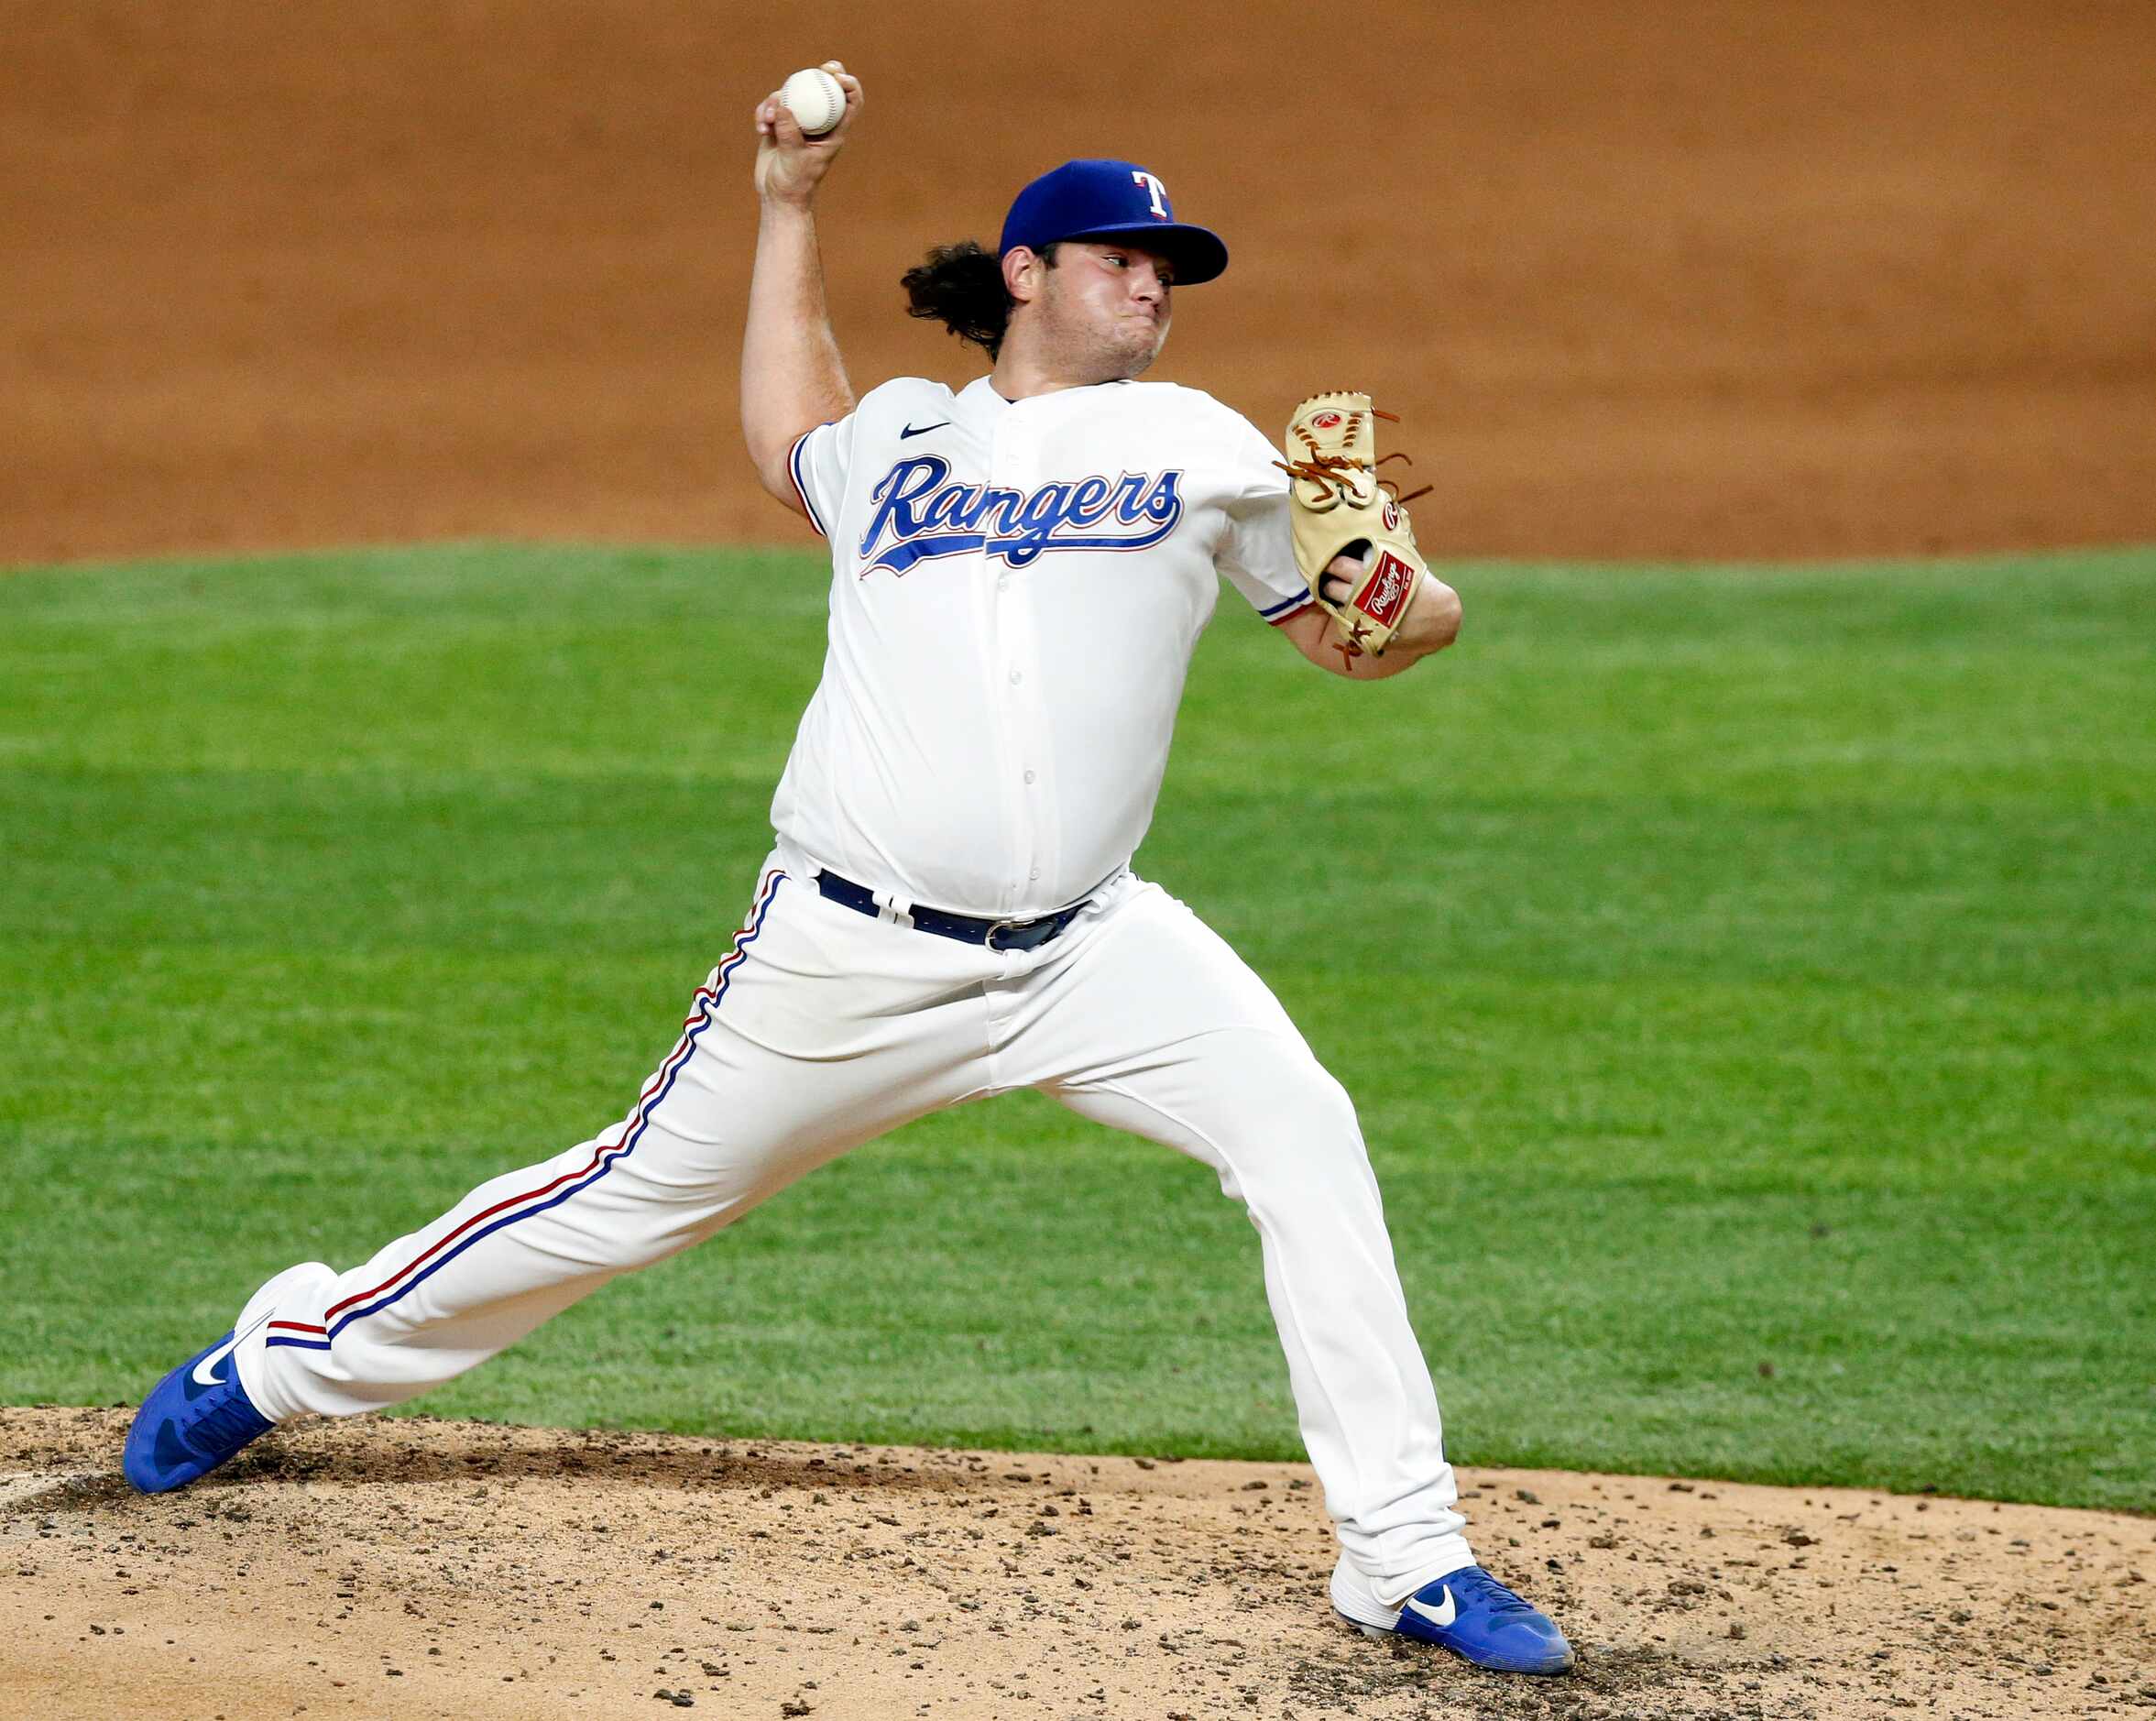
column 924, row 517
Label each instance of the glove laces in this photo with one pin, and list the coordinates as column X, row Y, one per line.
column 1334, row 476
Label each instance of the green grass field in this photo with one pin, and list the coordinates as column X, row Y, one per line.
column 1762, row 1077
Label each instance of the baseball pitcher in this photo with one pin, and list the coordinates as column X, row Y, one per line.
column 1019, row 570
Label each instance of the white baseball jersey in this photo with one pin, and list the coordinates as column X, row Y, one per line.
column 1016, row 590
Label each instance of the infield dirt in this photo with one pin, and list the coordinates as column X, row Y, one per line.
column 1821, row 277
column 425, row 1567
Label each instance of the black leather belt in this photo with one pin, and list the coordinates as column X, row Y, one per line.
column 997, row 934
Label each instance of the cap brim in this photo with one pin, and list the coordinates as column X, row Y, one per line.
column 1198, row 253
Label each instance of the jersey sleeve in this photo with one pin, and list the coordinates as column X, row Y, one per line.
column 819, row 461
column 1256, row 554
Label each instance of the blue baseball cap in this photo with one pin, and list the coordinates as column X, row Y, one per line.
column 1111, row 200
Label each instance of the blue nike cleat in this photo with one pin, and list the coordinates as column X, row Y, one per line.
column 192, row 1421
column 1468, row 1612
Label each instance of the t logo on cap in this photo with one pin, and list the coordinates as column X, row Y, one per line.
column 1106, row 201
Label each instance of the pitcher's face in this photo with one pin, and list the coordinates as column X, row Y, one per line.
column 1104, row 308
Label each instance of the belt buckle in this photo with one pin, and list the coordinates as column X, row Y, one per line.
column 988, row 938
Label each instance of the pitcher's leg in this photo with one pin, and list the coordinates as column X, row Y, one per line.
column 1160, row 1029
column 739, row 1110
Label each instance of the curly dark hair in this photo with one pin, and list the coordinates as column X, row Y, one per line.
column 961, row 287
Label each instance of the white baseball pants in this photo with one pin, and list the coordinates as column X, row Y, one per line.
column 823, row 1028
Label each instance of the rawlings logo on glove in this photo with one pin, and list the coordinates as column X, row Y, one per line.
column 1339, row 506
column 1391, row 584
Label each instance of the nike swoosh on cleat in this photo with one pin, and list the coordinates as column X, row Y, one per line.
column 1437, row 1615
column 923, row 431
column 202, row 1372
column 199, row 1373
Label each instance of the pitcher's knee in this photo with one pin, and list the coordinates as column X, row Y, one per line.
column 1289, row 1118
column 1304, row 1096
column 631, row 1219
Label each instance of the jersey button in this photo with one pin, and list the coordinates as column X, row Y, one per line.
column 1035, row 875
column 1029, row 776
column 1017, row 675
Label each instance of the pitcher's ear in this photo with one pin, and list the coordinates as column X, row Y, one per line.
column 1023, row 270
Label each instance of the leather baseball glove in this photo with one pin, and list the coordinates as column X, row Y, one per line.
column 1337, row 505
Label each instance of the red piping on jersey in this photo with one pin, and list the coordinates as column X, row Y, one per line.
column 793, row 477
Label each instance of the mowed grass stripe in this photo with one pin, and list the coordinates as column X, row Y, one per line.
column 1760, row 1072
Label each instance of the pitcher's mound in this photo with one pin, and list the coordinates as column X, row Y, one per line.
column 429, row 1568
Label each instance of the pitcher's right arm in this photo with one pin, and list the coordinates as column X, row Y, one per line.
column 792, row 378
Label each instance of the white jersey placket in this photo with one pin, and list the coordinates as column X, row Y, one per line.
column 1013, row 656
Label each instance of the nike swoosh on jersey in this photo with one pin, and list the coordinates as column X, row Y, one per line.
column 923, row 431
column 1438, row 1616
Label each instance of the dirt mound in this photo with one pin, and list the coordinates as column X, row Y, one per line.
column 431, row 1568
column 1680, row 279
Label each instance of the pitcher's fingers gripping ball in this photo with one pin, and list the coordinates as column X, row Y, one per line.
column 816, row 99
column 815, row 106
column 791, row 154
column 1338, row 506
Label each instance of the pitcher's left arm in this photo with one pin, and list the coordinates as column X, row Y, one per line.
column 1432, row 623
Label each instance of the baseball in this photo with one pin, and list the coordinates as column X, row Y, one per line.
column 814, row 99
